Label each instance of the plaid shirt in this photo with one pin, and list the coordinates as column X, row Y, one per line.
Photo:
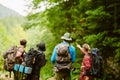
column 87, row 60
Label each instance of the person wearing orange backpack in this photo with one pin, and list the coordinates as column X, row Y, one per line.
column 86, row 62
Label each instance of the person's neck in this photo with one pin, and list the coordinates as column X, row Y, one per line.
column 85, row 52
column 22, row 46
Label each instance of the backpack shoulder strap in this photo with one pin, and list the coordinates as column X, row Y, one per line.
column 42, row 61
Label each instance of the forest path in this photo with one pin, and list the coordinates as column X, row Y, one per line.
column 6, row 76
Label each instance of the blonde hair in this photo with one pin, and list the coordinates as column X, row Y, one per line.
column 87, row 47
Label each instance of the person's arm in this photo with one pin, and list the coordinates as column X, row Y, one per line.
column 83, row 51
column 72, row 53
column 53, row 57
column 79, row 46
column 18, row 54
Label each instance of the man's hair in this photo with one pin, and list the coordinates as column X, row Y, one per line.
column 67, row 41
column 41, row 46
column 23, row 42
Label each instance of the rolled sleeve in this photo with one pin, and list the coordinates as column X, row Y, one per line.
column 53, row 57
column 72, row 53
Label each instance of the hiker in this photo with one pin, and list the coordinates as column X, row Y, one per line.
column 21, row 51
column 19, row 57
column 39, row 62
column 86, row 62
column 62, row 57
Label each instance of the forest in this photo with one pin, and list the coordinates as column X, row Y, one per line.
column 96, row 22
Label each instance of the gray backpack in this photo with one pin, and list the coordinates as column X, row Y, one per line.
column 9, row 58
column 63, row 59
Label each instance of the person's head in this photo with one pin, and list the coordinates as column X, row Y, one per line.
column 66, row 37
column 86, row 47
column 41, row 46
column 23, row 42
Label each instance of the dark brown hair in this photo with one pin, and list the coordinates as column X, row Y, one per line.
column 23, row 42
column 41, row 46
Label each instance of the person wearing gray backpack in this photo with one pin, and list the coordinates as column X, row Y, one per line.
column 62, row 57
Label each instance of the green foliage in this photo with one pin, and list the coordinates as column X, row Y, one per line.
column 117, row 56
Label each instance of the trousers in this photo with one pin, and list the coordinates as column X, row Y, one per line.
column 63, row 75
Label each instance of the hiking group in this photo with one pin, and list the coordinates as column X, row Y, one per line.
column 27, row 65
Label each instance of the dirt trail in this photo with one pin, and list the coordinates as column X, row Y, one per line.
column 6, row 76
column 52, row 78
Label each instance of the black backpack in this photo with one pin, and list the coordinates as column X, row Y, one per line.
column 97, row 64
column 40, row 59
column 34, row 58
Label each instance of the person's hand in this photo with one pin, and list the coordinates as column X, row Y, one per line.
column 82, row 67
column 87, row 78
column 78, row 46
